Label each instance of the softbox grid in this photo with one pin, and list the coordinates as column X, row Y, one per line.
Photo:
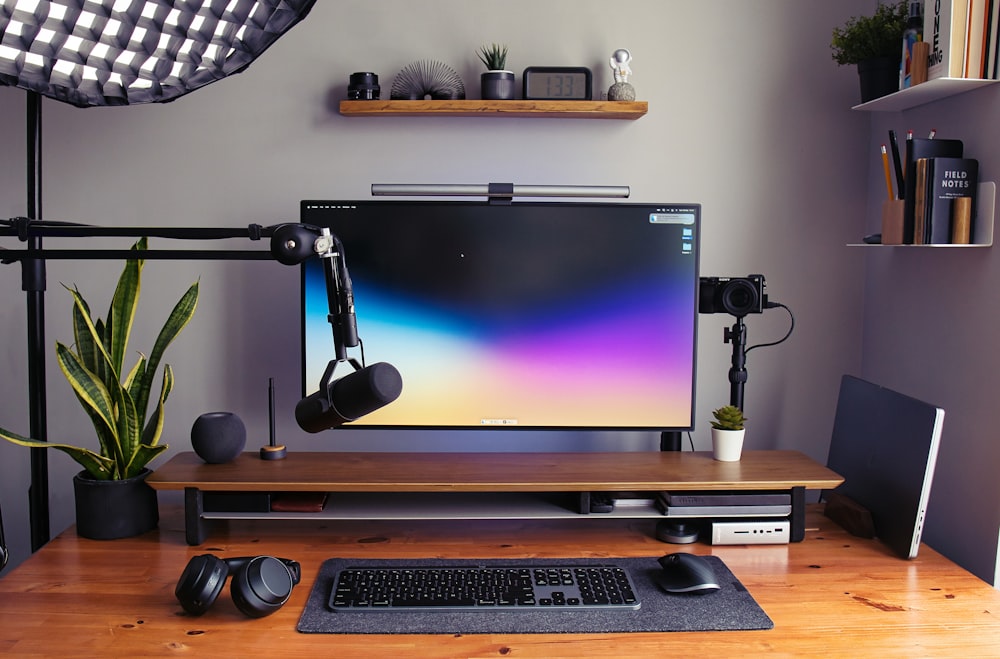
column 127, row 52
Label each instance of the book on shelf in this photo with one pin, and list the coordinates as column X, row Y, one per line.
column 945, row 26
column 976, row 38
column 949, row 207
column 993, row 42
column 916, row 149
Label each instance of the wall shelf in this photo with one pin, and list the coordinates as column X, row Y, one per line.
column 475, row 108
column 925, row 92
column 982, row 230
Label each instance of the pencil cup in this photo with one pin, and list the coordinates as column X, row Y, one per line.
column 892, row 222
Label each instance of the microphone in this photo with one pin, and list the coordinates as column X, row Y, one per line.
column 349, row 398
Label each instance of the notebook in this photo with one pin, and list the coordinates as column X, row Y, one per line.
column 885, row 445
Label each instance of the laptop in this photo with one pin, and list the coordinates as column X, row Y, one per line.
column 885, row 445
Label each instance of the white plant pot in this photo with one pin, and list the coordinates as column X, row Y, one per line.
column 727, row 445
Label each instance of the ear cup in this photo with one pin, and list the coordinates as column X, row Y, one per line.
column 261, row 586
column 201, row 582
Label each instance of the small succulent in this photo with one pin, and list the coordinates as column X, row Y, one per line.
column 494, row 57
column 728, row 417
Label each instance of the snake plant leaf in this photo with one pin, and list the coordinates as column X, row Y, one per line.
column 179, row 317
column 121, row 313
column 97, row 465
column 91, row 391
column 154, row 427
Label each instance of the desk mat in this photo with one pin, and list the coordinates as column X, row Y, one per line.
column 730, row 608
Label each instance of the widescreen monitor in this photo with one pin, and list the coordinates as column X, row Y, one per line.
column 531, row 315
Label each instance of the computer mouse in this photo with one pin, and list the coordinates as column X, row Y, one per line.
column 688, row 574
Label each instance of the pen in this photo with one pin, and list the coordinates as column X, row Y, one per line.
column 888, row 176
column 894, row 145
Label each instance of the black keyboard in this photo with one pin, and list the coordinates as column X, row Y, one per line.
column 515, row 587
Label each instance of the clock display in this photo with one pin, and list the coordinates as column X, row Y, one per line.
column 557, row 83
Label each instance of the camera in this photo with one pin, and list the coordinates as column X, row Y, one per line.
column 737, row 296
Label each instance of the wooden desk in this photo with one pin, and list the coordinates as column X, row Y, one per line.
column 831, row 595
column 417, row 481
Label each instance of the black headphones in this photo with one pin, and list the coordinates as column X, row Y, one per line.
column 261, row 584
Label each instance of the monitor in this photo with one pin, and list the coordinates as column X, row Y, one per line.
column 529, row 315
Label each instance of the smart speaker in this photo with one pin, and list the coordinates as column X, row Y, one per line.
column 218, row 437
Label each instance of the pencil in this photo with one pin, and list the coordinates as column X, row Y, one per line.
column 896, row 163
column 888, row 175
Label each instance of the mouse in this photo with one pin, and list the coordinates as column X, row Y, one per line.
column 688, row 574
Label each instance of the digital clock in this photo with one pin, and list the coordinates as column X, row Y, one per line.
column 557, row 83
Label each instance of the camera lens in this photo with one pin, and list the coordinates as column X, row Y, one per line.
column 739, row 297
column 363, row 87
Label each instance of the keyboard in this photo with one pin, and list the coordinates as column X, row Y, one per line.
column 476, row 588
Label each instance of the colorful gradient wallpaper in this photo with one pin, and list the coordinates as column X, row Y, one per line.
column 533, row 315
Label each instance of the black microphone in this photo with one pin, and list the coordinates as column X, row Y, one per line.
column 349, row 398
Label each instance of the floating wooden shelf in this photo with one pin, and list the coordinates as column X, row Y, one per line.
column 474, row 108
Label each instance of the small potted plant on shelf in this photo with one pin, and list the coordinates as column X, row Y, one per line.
column 728, row 430
column 113, row 499
column 497, row 83
column 875, row 45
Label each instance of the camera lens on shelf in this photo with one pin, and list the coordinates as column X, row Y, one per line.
column 363, row 86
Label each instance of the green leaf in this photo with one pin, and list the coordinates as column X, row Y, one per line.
column 154, row 428
column 98, row 466
column 91, row 391
column 178, row 319
column 121, row 313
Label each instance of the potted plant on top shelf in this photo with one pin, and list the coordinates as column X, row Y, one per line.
column 497, row 83
column 875, row 45
column 113, row 499
column 728, row 430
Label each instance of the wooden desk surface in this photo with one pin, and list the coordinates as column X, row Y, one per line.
column 496, row 472
column 832, row 595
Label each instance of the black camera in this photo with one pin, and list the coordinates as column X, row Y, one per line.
column 737, row 296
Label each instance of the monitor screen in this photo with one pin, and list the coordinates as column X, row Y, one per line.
column 544, row 315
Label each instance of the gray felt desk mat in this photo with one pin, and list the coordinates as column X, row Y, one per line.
column 730, row 608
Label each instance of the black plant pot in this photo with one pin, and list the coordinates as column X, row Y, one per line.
column 497, row 85
column 106, row 510
column 878, row 77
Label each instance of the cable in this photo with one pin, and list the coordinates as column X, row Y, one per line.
column 791, row 328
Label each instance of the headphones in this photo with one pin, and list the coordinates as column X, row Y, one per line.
column 260, row 586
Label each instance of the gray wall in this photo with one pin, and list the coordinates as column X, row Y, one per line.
column 929, row 317
column 748, row 116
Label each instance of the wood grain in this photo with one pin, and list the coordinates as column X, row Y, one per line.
column 832, row 595
column 496, row 472
column 475, row 108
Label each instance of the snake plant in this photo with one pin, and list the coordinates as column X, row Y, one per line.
column 115, row 400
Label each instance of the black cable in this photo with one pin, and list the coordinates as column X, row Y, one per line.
column 791, row 328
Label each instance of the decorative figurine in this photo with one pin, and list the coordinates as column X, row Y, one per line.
column 621, row 90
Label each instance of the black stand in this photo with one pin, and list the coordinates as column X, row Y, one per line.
column 33, row 285
column 737, row 335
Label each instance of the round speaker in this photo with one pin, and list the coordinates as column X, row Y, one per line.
column 218, row 437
